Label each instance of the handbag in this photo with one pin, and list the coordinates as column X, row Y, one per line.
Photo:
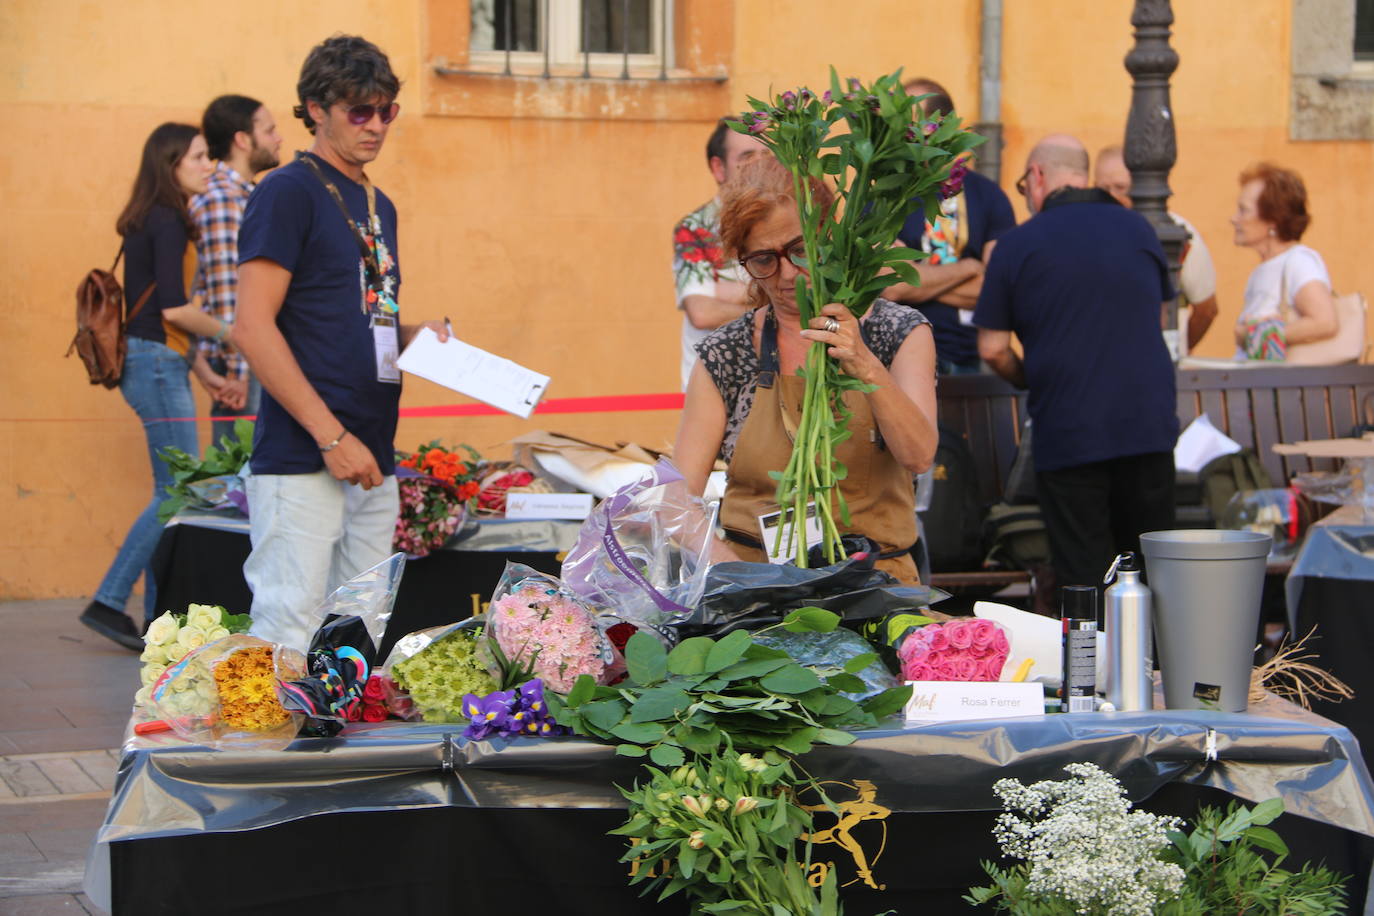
column 1347, row 345
column 100, row 324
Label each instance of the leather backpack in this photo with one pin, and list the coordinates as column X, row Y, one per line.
column 100, row 324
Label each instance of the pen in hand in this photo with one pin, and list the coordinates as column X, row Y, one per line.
column 448, row 326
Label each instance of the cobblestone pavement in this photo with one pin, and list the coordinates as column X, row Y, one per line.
column 64, row 702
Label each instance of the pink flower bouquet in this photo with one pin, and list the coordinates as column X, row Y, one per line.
column 541, row 627
column 967, row 649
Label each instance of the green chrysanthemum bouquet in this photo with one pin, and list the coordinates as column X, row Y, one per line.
column 888, row 155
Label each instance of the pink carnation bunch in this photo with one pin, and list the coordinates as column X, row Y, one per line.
column 969, row 649
column 539, row 627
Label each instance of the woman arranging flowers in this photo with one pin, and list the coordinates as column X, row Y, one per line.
column 822, row 399
column 744, row 397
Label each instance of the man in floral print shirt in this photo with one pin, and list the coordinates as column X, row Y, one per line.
column 709, row 292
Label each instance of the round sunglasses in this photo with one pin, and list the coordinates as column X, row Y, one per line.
column 361, row 114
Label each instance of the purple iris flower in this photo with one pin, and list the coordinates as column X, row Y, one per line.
column 789, row 100
column 825, row 98
column 489, row 715
column 532, row 697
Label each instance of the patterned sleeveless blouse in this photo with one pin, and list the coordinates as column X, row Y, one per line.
column 729, row 357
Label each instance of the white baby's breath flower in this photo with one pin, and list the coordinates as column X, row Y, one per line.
column 1085, row 846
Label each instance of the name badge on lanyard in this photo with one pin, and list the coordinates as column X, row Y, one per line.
column 386, row 343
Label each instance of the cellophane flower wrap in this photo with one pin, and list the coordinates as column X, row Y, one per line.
column 965, row 649
column 542, row 626
column 435, row 486
column 879, row 152
column 644, row 551
column 430, row 672
column 171, row 637
column 225, row 694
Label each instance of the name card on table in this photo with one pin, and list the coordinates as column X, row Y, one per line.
column 576, row 506
column 950, row 701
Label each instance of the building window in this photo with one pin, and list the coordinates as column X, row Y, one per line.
column 1364, row 30
column 596, row 37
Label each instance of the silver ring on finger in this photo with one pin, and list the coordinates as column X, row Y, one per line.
column 832, row 325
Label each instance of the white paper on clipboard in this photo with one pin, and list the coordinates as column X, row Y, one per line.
column 474, row 372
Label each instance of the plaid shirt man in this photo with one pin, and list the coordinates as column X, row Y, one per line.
column 218, row 213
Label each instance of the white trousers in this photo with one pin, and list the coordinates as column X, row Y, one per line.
column 310, row 533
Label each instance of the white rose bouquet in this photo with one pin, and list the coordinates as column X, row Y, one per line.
column 170, row 637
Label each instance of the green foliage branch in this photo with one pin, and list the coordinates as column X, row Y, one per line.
column 886, row 155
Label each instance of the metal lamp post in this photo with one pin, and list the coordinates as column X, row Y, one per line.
column 1150, row 147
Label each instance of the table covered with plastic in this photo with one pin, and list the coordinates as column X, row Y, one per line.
column 1330, row 592
column 422, row 791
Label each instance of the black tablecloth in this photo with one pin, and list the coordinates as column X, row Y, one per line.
column 416, row 813
column 1331, row 589
column 196, row 564
column 519, row 861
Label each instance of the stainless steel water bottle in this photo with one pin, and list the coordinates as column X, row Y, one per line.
column 1128, row 618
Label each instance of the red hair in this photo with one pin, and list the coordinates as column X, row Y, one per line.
column 758, row 186
column 1282, row 200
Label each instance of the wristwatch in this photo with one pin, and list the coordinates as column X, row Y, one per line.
column 335, row 444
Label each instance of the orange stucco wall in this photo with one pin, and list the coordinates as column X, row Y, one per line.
column 538, row 220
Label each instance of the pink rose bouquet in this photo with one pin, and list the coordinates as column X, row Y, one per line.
column 967, row 649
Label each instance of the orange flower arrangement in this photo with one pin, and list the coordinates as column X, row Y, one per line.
column 247, row 685
column 435, row 496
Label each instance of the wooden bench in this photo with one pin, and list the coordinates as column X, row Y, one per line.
column 1257, row 407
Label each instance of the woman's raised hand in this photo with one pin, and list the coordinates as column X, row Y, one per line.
column 837, row 327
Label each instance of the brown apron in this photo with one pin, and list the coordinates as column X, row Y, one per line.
column 882, row 501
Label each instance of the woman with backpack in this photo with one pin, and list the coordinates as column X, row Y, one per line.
column 162, row 323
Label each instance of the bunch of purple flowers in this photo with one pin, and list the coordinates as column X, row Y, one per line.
column 511, row 713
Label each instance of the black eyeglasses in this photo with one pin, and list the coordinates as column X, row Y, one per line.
column 1021, row 182
column 763, row 264
column 360, row 114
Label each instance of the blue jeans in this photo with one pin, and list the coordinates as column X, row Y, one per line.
column 221, row 428
column 156, row 384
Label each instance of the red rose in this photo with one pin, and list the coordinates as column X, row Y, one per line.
column 620, row 634
column 683, row 236
column 372, row 690
column 374, row 712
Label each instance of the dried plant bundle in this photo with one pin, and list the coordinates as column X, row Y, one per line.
column 1291, row 676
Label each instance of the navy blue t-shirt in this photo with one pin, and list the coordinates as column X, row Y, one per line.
column 1081, row 285
column 158, row 252
column 292, row 220
column 989, row 216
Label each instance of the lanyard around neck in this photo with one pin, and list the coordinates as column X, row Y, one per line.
column 368, row 251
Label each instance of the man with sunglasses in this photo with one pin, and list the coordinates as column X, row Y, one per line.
column 1082, row 285
column 319, row 322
